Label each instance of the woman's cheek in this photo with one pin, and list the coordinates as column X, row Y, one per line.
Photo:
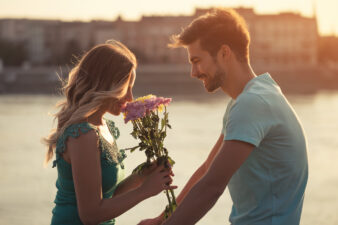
column 115, row 109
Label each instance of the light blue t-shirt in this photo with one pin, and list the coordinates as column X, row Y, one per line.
column 268, row 189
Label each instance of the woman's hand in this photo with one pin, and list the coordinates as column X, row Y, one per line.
column 148, row 170
column 156, row 180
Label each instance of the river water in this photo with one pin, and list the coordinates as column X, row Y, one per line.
column 27, row 190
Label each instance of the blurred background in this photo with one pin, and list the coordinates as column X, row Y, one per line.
column 296, row 41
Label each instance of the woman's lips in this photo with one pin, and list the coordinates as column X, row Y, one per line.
column 123, row 105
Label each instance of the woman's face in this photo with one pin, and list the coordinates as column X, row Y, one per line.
column 115, row 109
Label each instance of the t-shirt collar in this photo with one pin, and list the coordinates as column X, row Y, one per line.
column 264, row 76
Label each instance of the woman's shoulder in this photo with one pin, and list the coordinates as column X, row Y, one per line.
column 76, row 129
column 76, row 133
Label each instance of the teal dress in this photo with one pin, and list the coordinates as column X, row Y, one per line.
column 65, row 211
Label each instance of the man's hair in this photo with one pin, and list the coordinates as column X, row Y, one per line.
column 214, row 29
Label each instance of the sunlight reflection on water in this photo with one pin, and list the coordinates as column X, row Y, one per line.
column 27, row 190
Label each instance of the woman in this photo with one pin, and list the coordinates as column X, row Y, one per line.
column 89, row 164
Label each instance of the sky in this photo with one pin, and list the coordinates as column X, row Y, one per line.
column 326, row 10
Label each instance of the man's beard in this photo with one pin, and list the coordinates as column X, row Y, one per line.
column 216, row 82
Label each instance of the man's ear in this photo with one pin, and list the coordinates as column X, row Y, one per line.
column 224, row 53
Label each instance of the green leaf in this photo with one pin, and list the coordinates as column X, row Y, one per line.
column 142, row 146
column 163, row 135
column 134, row 134
column 131, row 149
column 171, row 161
column 162, row 123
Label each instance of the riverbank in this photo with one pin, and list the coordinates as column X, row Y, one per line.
column 168, row 80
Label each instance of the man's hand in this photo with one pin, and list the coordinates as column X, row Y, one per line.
column 154, row 221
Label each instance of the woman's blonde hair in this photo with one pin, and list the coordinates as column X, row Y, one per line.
column 100, row 76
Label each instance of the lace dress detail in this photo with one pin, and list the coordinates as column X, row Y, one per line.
column 109, row 152
column 112, row 154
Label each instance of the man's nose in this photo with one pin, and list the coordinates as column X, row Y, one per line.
column 194, row 71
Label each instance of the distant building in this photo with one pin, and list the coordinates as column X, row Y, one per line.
column 103, row 31
column 284, row 40
column 31, row 33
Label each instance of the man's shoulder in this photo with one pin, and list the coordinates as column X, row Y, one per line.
column 250, row 105
column 251, row 99
column 260, row 94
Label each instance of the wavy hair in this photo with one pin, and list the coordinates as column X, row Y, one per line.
column 214, row 29
column 100, row 77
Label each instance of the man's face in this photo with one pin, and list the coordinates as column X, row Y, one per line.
column 204, row 67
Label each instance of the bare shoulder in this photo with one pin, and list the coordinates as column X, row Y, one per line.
column 83, row 139
column 86, row 145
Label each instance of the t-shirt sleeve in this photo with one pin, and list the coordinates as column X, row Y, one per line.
column 248, row 120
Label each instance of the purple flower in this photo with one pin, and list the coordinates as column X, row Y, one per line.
column 141, row 106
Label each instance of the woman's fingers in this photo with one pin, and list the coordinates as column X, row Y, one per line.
column 170, row 187
column 152, row 167
column 166, row 171
column 167, row 180
column 160, row 168
column 167, row 186
column 172, row 173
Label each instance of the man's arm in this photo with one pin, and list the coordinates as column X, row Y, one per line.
column 206, row 192
column 192, row 181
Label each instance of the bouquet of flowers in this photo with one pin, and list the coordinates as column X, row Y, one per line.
column 151, row 130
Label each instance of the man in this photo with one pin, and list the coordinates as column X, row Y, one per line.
column 261, row 152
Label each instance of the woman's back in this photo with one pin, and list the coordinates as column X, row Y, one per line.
column 65, row 210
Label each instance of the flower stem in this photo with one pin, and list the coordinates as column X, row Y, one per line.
column 173, row 197
column 167, row 193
